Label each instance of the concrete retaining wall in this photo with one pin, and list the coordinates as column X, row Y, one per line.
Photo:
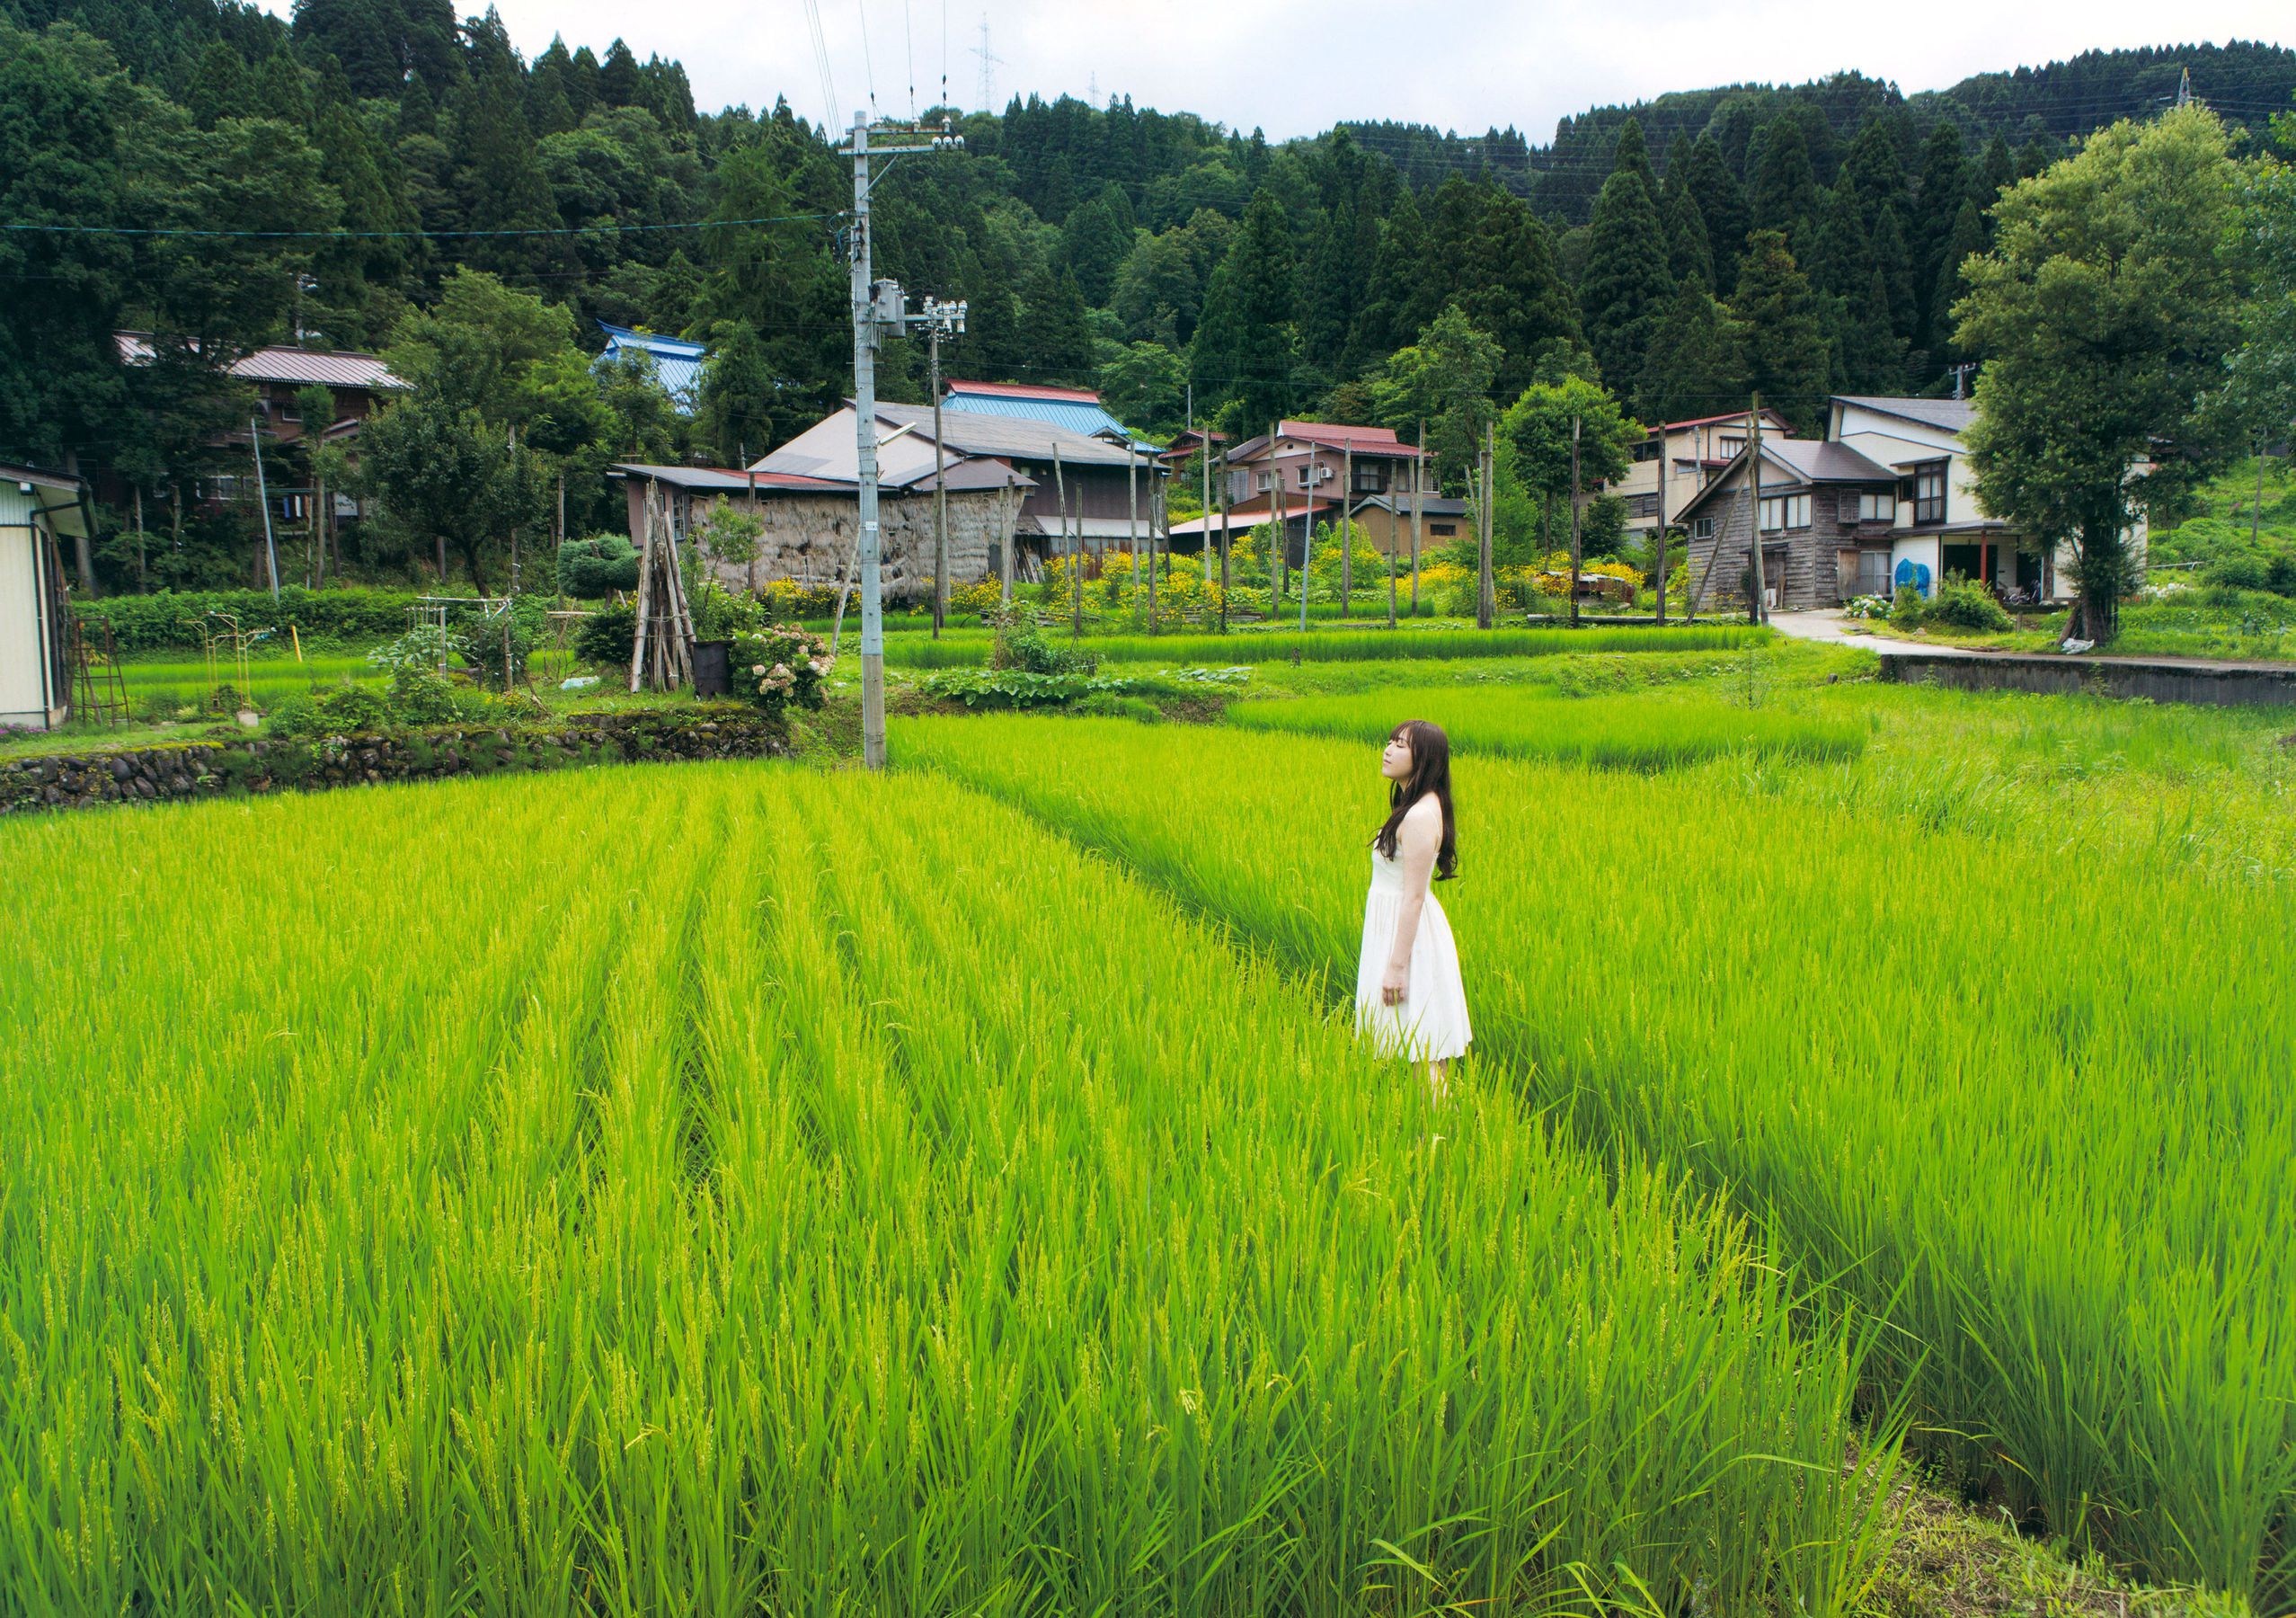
column 2205, row 683
column 201, row 769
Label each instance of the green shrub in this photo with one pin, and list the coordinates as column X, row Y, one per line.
column 592, row 568
column 608, row 637
column 1967, row 604
column 1021, row 644
column 345, row 709
column 1906, row 611
column 149, row 623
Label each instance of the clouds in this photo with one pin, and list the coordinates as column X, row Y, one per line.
column 1296, row 66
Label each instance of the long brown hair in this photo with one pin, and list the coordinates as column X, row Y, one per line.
column 1431, row 772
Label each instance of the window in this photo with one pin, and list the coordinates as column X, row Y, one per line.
column 287, row 412
column 1306, row 475
column 1727, row 445
column 1642, row 505
column 1266, row 483
column 1874, row 573
column 1647, row 450
column 1781, row 512
column 1877, row 505
column 1443, row 530
column 1702, row 528
column 1929, row 494
column 1371, row 477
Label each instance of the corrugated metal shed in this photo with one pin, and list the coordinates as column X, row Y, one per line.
column 678, row 363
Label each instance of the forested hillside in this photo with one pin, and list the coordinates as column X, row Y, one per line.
column 1682, row 251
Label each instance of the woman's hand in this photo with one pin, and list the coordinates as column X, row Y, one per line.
column 1395, row 987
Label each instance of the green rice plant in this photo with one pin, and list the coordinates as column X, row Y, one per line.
column 425, row 1220
column 1614, row 732
column 1441, row 645
column 2045, row 1125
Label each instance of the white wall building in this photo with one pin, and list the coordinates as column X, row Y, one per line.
column 37, row 510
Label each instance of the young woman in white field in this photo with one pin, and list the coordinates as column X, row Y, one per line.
column 1409, row 1001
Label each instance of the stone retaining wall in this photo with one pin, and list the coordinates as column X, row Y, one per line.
column 2209, row 684
column 200, row 770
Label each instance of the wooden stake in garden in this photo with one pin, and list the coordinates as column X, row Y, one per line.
column 1010, row 512
column 1758, row 608
column 1076, row 556
column 1577, row 534
column 661, row 652
column 1486, row 596
column 1660, row 539
column 1418, row 511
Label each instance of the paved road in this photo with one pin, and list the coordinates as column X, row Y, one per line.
column 1827, row 625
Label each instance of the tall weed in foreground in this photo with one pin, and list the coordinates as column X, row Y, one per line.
column 2047, row 1132
column 811, row 1209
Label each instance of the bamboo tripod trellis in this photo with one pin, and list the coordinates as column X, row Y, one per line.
column 661, row 651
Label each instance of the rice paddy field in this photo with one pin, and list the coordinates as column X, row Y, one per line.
column 776, row 1188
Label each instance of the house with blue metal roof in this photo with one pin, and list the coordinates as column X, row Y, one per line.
column 1076, row 410
column 678, row 363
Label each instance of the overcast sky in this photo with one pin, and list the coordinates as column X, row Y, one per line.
column 1293, row 68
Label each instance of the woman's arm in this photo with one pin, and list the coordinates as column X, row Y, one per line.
column 1416, row 841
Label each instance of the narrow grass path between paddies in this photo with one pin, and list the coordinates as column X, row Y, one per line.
column 846, row 1196
column 2048, row 1141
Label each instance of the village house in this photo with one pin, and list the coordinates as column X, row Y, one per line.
column 1315, row 469
column 677, row 363
column 1886, row 499
column 1005, row 475
column 357, row 382
column 1076, row 410
column 1691, row 454
column 38, row 511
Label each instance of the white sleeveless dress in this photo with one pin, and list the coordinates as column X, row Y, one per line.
column 1430, row 1025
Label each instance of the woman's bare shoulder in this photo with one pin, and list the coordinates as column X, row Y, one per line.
column 1425, row 814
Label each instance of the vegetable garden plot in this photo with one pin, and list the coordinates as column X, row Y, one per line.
column 2050, row 1135
column 810, row 1206
column 1619, row 732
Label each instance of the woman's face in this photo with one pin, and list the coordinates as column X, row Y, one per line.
column 1395, row 763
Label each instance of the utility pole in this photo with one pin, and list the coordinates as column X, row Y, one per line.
column 1661, row 536
column 1418, row 511
column 1757, row 609
column 1347, row 529
column 1204, row 450
column 514, row 526
column 1306, row 537
column 1226, row 544
column 1577, row 535
column 940, row 487
column 874, row 309
column 1485, row 595
column 263, row 494
column 1132, row 517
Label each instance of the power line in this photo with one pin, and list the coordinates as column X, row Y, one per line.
column 340, row 236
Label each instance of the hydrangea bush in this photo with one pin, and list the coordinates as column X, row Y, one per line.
column 780, row 668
